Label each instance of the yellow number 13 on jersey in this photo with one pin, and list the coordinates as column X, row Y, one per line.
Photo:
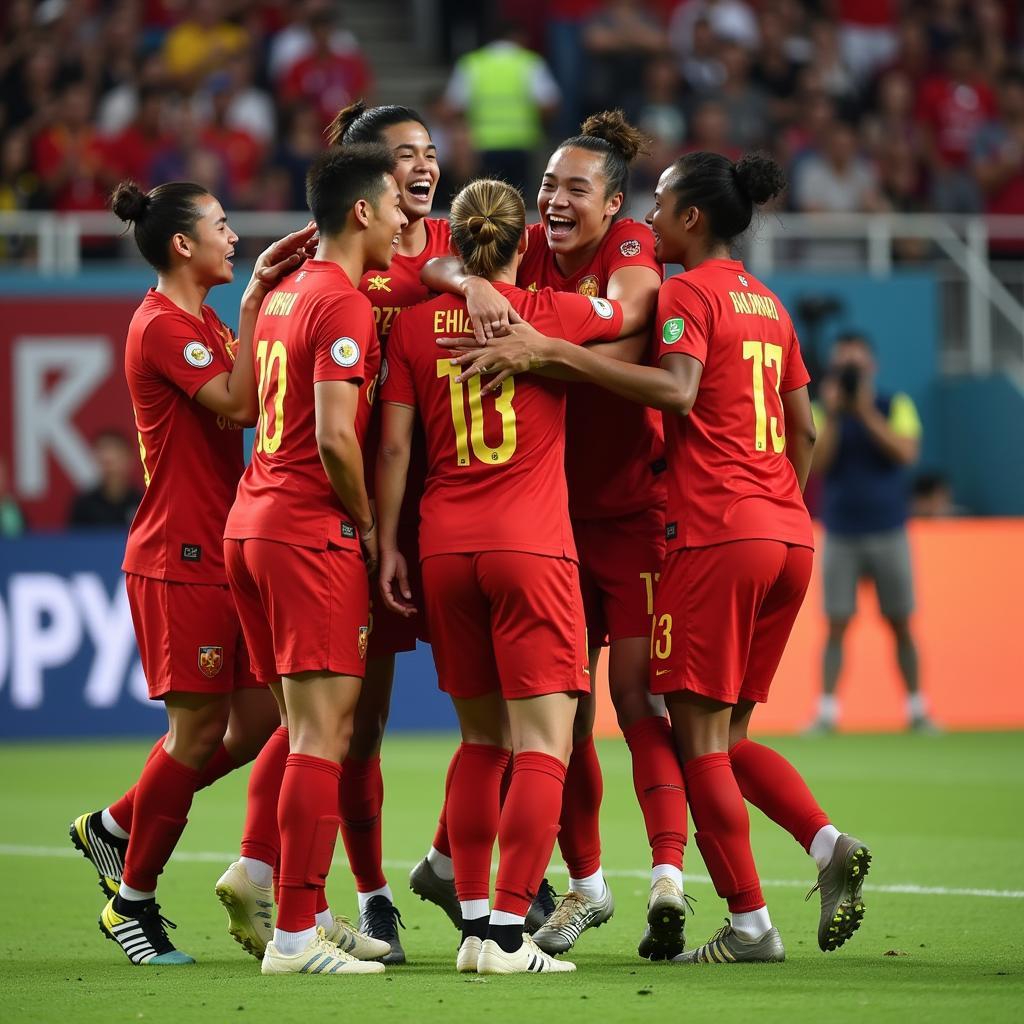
column 763, row 355
column 472, row 434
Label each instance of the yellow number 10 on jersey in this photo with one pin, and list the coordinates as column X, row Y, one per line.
column 272, row 360
column 472, row 434
column 764, row 355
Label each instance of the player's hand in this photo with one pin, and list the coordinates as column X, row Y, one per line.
column 830, row 395
column 520, row 350
column 488, row 309
column 394, row 583
column 368, row 542
column 280, row 258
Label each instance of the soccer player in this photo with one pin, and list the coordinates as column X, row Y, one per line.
column 301, row 535
column 614, row 464
column 191, row 397
column 499, row 572
column 739, row 438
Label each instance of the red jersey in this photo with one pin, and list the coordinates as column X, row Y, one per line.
column 496, row 465
column 314, row 326
column 614, row 448
column 729, row 478
column 191, row 457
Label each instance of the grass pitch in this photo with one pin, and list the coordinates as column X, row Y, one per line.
column 943, row 938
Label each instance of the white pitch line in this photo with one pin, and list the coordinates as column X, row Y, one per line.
column 217, row 857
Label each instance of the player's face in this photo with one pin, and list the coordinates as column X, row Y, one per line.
column 386, row 223
column 416, row 170
column 571, row 201
column 212, row 244
column 670, row 235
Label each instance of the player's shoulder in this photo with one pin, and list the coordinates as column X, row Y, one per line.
column 628, row 237
column 439, row 235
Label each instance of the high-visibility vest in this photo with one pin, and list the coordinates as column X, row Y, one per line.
column 501, row 111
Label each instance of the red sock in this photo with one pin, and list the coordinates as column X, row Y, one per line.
column 360, row 798
column 768, row 781
column 474, row 810
column 723, row 830
column 658, row 781
column 260, row 837
column 441, row 842
column 527, row 830
column 307, row 816
column 123, row 810
column 579, row 836
column 506, row 781
column 162, row 799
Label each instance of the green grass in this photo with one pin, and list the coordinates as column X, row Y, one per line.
column 937, row 812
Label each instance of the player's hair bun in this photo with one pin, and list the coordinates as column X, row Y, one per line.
column 613, row 128
column 483, row 229
column 760, row 177
column 129, row 202
column 342, row 120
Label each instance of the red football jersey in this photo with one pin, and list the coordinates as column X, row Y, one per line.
column 614, row 448
column 191, row 457
column 729, row 478
column 314, row 326
column 496, row 470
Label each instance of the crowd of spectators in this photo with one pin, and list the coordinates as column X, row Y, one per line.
column 872, row 105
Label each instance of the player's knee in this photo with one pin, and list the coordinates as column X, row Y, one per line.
column 632, row 706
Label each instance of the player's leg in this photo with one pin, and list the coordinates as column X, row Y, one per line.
column 840, row 575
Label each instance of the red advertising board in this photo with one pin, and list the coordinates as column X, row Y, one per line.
column 61, row 383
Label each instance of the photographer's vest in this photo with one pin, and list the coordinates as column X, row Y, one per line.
column 502, row 112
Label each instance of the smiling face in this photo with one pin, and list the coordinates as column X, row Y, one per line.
column 672, row 237
column 211, row 244
column 571, row 201
column 385, row 221
column 416, row 170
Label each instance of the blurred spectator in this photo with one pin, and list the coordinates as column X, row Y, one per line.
column 188, row 158
column 995, row 34
column 730, row 20
column 113, row 501
column 324, row 78
column 296, row 41
column 701, row 66
column 774, row 71
column 901, row 190
column 19, row 184
column 868, row 36
column 118, row 107
column 932, row 497
column 565, row 21
column 506, row 92
column 709, row 131
column 746, row 107
column 247, row 108
column 12, row 522
column 832, row 73
column 301, row 143
column 202, row 42
column 838, row 179
column 30, row 86
column 952, row 106
column 893, row 116
column 456, row 157
column 242, row 155
column 999, row 161
column 620, row 39
column 866, row 443
column 659, row 115
column 134, row 151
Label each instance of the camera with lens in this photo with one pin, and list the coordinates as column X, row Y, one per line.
column 849, row 378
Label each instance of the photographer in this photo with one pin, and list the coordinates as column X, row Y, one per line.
column 866, row 444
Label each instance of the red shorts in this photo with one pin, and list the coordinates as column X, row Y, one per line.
column 506, row 620
column 619, row 563
column 302, row 609
column 189, row 636
column 723, row 615
column 391, row 633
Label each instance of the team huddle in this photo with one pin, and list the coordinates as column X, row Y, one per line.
column 520, row 445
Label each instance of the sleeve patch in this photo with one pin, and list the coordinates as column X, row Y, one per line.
column 197, row 355
column 345, row 352
column 602, row 307
column 383, row 371
column 672, row 330
column 631, row 247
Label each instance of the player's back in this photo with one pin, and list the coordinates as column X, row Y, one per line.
column 729, row 474
column 496, row 477
column 314, row 326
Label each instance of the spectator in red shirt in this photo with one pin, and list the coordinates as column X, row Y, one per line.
column 242, row 155
column 999, row 161
column 133, row 151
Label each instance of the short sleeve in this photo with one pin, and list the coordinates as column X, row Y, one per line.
column 396, row 373
column 343, row 337
column 794, row 373
column 630, row 244
column 903, row 418
column 586, row 319
column 683, row 324
column 171, row 347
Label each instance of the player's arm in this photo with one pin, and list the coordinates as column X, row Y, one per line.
column 233, row 394
column 488, row 308
column 336, row 403
column 829, row 410
column 636, row 290
column 392, row 470
column 898, row 435
column 800, row 431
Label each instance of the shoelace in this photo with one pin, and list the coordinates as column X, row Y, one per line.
column 381, row 918
column 565, row 910
column 546, row 896
column 152, row 917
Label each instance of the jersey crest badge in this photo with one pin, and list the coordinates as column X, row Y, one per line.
column 345, row 352
column 743, row 281
column 197, row 355
column 378, row 283
column 301, row 276
column 363, row 641
column 631, row 247
column 211, row 660
column 589, row 286
column 532, row 286
column 602, row 307
column 672, row 330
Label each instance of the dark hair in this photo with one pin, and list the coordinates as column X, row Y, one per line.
column 158, row 215
column 342, row 176
column 726, row 192
column 610, row 134
column 111, row 434
column 359, row 123
column 852, row 337
column 487, row 221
